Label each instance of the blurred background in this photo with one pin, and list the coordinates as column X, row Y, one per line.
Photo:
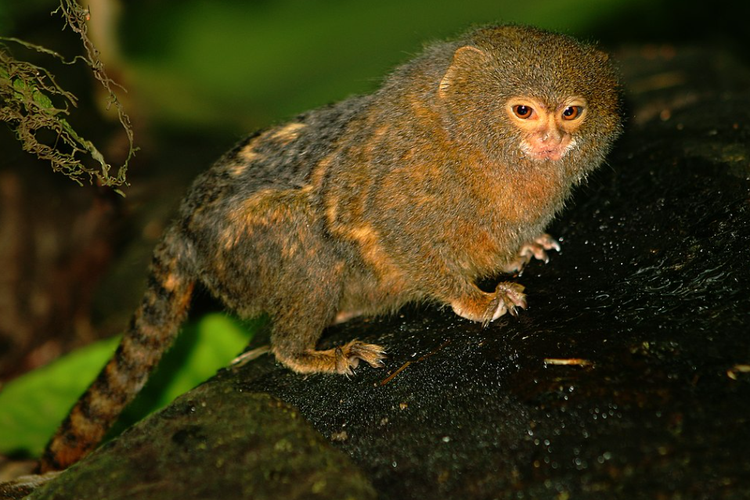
column 199, row 75
column 229, row 66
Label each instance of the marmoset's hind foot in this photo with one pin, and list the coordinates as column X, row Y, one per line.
column 343, row 359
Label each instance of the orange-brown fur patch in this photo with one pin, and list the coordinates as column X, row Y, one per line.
column 287, row 133
column 268, row 207
column 247, row 154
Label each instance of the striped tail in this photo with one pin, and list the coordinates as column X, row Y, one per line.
column 152, row 329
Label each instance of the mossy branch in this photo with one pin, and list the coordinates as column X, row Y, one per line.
column 27, row 104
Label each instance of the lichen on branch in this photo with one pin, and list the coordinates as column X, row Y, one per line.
column 36, row 107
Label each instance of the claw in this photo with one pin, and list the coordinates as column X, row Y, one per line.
column 537, row 249
column 509, row 297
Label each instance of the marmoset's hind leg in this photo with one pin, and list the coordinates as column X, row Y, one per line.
column 284, row 263
column 299, row 321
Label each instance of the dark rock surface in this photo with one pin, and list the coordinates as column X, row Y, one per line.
column 215, row 443
column 648, row 304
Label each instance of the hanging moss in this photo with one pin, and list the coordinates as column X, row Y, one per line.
column 35, row 107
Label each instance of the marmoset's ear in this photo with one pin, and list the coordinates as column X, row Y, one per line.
column 464, row 59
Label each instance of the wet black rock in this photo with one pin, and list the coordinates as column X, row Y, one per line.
column 215, row 443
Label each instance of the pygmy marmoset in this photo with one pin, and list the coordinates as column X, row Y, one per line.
column 448, row 174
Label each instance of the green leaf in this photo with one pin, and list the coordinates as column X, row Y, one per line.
column 201, row 349
column 33, row 405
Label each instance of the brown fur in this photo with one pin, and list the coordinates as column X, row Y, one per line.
column 412, row 193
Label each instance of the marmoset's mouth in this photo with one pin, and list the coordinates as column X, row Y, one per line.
column 545, row 151
column 553, row 154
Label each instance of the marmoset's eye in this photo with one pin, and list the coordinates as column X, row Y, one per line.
column 572, row 112
column 523, row 112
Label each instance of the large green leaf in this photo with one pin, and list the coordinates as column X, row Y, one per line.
column 32, row 406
